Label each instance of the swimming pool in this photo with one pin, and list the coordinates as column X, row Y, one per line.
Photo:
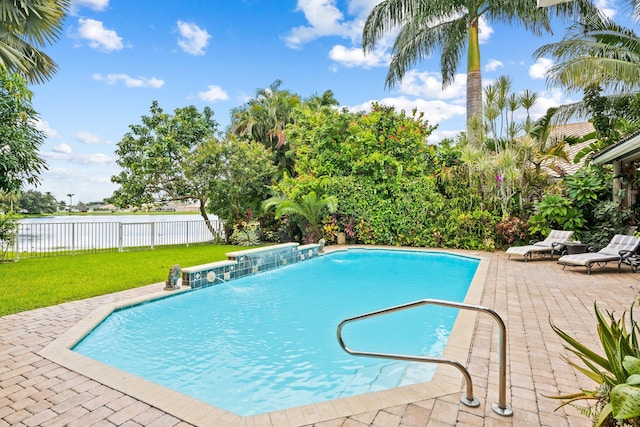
column 253, row 329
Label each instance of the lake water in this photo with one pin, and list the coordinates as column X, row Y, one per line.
column 114, row 218
column 44, row 235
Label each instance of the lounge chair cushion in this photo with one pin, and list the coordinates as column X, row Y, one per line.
column 620, row 242
column 587, row 258
column 523, row 250
column 544, row 246
column 555, row 236
column 611, row 252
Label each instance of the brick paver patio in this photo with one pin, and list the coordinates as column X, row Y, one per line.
column 37, row 392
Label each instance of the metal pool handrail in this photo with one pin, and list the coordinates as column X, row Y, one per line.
column 499, row 408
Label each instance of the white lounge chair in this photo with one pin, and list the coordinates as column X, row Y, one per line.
column 550, row 245
column 621, row 248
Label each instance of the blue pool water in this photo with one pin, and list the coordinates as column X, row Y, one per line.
column 268, row 342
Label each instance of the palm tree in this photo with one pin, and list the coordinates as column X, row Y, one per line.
column 327, row 99
column 448, row 26
column 598, row 56
column 25, row 27
column 311, row 207
column 264, row 118
column 595, row 52
column 546, row 146
column 503, row 162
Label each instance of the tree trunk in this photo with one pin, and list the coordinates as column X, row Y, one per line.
column 474, row 81
column 617, row 182
column 205, row 216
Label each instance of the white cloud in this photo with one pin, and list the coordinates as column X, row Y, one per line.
column 547, row 99
column 92, row 159
column 86, row 183
column 88, row 137
column 362, row 8
column 355, row 57
column 64, row 152
column 539, row 69
column 607, row 7
column 439, row 135
column 129, row 81
column 324, row 19
column 484, row 31
column 98, row 36
column 493, row 65
column 434, row 111
column 213, row 93
column 423, row 92
column 243, row 98
column 96, row 5
column 43, row 126
column 193, row 39
column 429, row 84
column 63, row 149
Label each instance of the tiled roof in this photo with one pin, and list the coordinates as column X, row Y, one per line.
column 558, row 168
column 573, row 129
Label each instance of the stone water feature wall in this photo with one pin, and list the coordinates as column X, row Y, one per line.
column 245, row 263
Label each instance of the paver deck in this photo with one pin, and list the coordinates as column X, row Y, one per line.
column 37, row 392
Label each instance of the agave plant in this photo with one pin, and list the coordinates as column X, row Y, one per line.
column 617, row 374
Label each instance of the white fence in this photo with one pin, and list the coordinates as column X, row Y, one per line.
column 48, row 239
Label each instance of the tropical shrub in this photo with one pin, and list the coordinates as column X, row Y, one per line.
column 337, row 223
column 467, row 229
column 244, row 180
column 616, row 397
column 586, row 208
column 402, row 213
column 608, row 219
column 555, row 212
column 246, row 233
column 588, row 186
column 330, row 229
column 392, row 187
column 306, row 210
column 512, row 230
column 8, row 233
column 280, row 230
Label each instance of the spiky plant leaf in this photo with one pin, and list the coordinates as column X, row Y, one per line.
column 592, row 372
column 590, row 354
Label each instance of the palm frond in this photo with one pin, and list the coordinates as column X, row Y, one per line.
column 595, row 51
column 25, row 27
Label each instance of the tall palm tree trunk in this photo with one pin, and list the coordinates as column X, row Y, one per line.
column 474, row 79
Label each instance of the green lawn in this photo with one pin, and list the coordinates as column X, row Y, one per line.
column 40, row 282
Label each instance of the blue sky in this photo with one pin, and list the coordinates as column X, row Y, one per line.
column 117, row 56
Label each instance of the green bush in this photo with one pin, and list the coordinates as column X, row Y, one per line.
column 555, row 212
column 465, row 229
column 8, row 233
column 511, row 231
column 608, row 219
column 246, row 233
